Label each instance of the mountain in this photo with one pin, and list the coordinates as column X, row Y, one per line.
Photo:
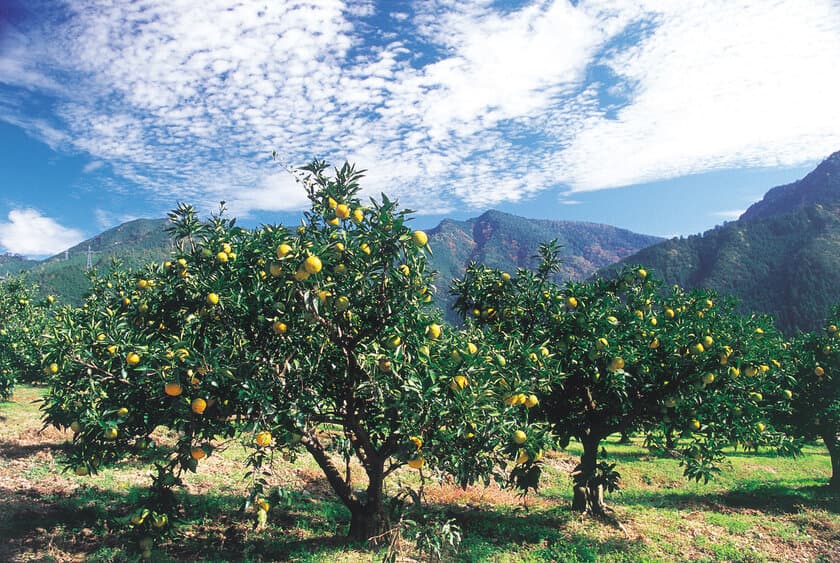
column 508, row 242
column 134, row 244
column 780, row 257
column 11, row 264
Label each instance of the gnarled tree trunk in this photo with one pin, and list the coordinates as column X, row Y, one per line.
column 588, row 494
column 369, row 520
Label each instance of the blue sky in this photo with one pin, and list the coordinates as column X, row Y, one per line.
column 666, row 117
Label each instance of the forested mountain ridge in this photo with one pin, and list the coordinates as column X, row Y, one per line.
column 780, row 257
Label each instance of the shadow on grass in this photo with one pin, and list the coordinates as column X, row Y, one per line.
column 789, row 497
column 13, row 450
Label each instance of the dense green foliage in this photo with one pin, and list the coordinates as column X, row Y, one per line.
column 320, row 340
column 24, row 317
column 637, row 360
column 815, row 358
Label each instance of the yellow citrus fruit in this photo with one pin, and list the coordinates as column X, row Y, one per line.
column 111, row 433
column 81, row 470
column 532, row 401
column 519, row 437
column 263, row 439
column 641, row 273
column 471, row 348
column 160, row 520
column 342, row 303
column 434, row 331
column 522, row 457
column 787, row 394
column 213, row 298
column 132, row 359
column 416, row 463
column 694, row 424
column 358, row 215
column 571, row 303
column 654, row 344
column 365, row 248
column 142, row 284
column 283, row 250
column 669, row 313
column 459, row 382
column 279, row 327
column 342, row 211
column 404, row 270
column 275, row 268
column 420, row 238
column 760, row 427
column 616, row 364
column 708, row 378
column 301, row 275
column 734, row 372
column 75, row 426
column 53, row 368
column 819, row 371
column 198, row 405
column 602, row 343
column 332, row 203
column 417, row 441
column 222, row 256
column 263, row 504
column 312, row 265
column 708, row 341
column 393, row 342
column 173, row 389
column 198, row 453
column 122, row 412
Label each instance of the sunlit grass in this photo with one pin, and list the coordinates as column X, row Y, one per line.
column 761, row 508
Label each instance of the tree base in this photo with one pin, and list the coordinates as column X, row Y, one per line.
column 369, row 525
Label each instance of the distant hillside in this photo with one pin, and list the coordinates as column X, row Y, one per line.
column 134, row 243
column 11, row 264
column 509, row 242
column 780, row 257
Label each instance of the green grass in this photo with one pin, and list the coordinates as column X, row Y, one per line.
column 761, row 508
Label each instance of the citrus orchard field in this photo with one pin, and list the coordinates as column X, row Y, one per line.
column 281, row 388
column 761, row 508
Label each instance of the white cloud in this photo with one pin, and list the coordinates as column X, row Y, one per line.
column 459, row 104
column 92, row 166
column 30, row 233
column 729, row 215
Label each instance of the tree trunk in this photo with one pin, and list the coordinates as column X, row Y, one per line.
column 369, row 521
column 670, row 443
column 833, row 446
column 588, row 494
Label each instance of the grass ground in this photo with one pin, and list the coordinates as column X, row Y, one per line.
column 761, row 508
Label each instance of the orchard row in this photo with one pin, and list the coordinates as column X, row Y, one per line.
column 322, row 340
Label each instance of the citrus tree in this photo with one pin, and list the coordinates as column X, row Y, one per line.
column 815, row 405
column 633, row 360
column 23, row 318
column 317, row 339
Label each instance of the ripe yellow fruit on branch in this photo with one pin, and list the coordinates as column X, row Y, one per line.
column 312, row 265
column 819, row 371
column 459, row 382
column 420, row 238
column 132, row 358
column 53, row 368
column 519, row 437
column 571, row 303
column 283, row 250
column 331, row 203
column 532, row 401
column 471, row 348
column 694, row 424
column 760, row 427
column 417, row 441
column 122, row 412
column 213, row 298
column 416, row 463
column 708, row 378
column 173, row 389
column 342, row 211
column 358, row 215
column 434, row 331
column 275, row 269
column 222, row 257
column 616, row 364
column 198, row 406
column 263, row 439
column 110, row 433
column 198, row 453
